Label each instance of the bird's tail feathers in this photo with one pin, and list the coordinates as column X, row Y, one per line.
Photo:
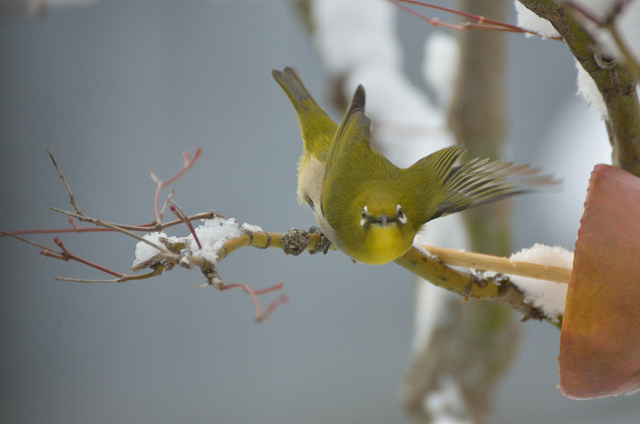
column 290, row 81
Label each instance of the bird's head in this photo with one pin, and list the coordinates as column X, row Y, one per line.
column 381, row 224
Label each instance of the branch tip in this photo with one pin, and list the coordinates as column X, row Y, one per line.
column 72, row 199
column 260, row 316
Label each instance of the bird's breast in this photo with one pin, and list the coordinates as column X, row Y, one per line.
column 382, row 245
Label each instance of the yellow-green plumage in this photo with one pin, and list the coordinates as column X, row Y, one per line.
column 375, row 209
column 366, row 206
column 318, row 130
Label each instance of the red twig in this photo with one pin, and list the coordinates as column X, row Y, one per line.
column 77, row 229
column 482, row 21
column 273, row 288
column 182, row 216
column 479, row 19
column 142, row 227
column 66, row 256
column 188, row 163
column 58, row 242
column 72, row 222
column 430, row 21
column 58, row 231
column 260, row 316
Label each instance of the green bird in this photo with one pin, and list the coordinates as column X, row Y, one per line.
column 373, row 209
column 366, row 206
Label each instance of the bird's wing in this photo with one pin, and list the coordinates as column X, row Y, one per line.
column 478, row 182
column 352, row 135
column 350, row 146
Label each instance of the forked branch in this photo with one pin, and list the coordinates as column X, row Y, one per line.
column 188, row 252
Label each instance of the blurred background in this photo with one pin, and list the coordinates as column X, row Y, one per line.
column 118, row 88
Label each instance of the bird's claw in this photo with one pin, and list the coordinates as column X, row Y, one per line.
column 324, row 245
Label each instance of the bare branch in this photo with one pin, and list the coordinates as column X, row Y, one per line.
column 72, row 199
column 28, row 241
column 498, row 288
column 114, row 227
column 260, row 316
column 188, row 163
column 494, row 25
column 183, row 216
column 166, row 203
column 122, row 279
column 152, row 227
column 66, row 256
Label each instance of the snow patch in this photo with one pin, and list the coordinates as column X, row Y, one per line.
column 588, row 89
column 144, row 252
column 212, row 235
column 252, row 228
column 529, row 20
column 547, row 295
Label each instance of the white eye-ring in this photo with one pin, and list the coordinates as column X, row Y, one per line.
column 402, row 218
column 365, row 216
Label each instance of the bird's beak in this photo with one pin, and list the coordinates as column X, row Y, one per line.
column 384, row 221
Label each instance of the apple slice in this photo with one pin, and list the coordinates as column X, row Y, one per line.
column 600, row 339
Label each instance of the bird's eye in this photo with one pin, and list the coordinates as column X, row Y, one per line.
column 311, row 205
column 365, row 216
column 402, row 218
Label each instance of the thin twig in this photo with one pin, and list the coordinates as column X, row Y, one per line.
column 58, row 242
column 188, row 163
column 180, row 214
column 68, row 256
column 273, row 288
column 152, row 227
column 65, row 255
column 260, row 316
column 166, row 203
column 430, row 21
column 479, row 19
column 494, row 25
column 72, row 198
column 79, row 280
column 283, row 299
column 55, row 231
column 123, row 279
column 28, row 241
column 115, row 227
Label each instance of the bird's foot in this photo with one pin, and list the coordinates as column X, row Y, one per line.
column 324, row 245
